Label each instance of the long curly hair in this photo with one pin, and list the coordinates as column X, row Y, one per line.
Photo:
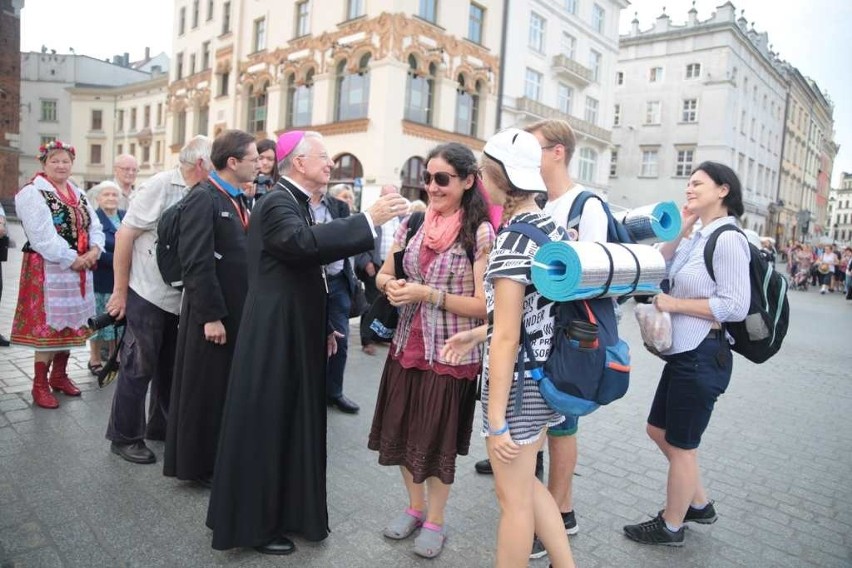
column 462, row 160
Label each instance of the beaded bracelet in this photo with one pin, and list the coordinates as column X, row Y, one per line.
column 499, row 432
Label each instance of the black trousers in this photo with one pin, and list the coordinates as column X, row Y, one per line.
column 147, row 357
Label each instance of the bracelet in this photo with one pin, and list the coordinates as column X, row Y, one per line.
column 499, row 432
column 383, row 287
column 443, row 301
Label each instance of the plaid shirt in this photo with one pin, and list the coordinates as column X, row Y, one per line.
column 451, row 272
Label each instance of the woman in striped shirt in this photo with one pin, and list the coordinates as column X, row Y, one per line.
column 698, row 364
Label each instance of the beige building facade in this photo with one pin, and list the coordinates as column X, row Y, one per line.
column 383, row 80
column 808, row 160
column 109, row 121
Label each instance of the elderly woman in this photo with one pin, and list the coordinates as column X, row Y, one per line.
column 425, row 406
column 56, row 295
column 344, row 193
column 106, row 195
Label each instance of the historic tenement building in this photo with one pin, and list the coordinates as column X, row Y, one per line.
column 384, row 81
column 10, row 99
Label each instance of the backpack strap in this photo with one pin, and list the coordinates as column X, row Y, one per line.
column 415, row 220
column 536, row 235
column 576, row 211
column 537, row 372
column 710, row 247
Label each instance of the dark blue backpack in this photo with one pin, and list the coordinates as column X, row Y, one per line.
column 616, row 232
column 575, row 380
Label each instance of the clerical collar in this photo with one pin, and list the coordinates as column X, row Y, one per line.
column 299, row 187
column 232, row 191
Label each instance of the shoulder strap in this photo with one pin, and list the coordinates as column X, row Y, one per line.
column 415, row 220
column 538, row 236
column 710, row 247
column 576, row 210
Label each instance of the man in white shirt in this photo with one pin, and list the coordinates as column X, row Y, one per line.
column 150, row 306
column 125, row 170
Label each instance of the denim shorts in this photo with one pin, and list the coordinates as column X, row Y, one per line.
column 689, row 386
column 568, row 427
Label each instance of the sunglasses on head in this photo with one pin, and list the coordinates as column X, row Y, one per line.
column 442, row 179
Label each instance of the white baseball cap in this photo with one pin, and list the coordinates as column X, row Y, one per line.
column 519, row 153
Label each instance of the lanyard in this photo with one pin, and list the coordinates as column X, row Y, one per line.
column 240, row 211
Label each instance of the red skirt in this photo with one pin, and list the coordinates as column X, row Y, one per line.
column 422, row 421
column 29, row 326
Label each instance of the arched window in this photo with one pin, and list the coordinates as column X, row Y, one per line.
column 410, row 181
column 418, row 93
column 467, row 108
column 347, row 169
column 257, row 109
column 353, row 90
column 300, row 100
column 587, row 164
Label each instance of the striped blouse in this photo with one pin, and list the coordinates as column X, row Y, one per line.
column 729, row 295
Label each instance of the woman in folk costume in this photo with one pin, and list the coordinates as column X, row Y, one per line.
column 56, row 295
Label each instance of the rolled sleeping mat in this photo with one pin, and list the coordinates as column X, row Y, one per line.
column 565, row 271
column 653, row 223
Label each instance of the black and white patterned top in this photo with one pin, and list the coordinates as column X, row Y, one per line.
column 511, row 258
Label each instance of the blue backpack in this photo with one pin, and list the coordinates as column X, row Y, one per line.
column 616, row 232
column 577, row 379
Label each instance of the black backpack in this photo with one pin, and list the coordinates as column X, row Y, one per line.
column 758, row 337
column 168, row 235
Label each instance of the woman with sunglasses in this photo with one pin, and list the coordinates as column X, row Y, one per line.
column 425, row 406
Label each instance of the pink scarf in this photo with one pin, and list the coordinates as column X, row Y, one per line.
column 441, row 232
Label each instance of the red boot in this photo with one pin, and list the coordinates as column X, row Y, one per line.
column 41, row 391
column 59, row 380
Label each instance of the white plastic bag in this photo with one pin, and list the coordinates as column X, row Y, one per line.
column 656, row 327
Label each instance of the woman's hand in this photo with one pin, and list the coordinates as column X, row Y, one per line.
column 401, row 292
column 502, row 447
column 688, row 219
column 665, row 303
column 459, row 345
column 80, row 264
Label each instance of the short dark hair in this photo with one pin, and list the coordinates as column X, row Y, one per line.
column 723, row 175
column 230, row 144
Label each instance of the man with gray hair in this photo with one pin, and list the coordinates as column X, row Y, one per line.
column 150, row 306
column 125, row 169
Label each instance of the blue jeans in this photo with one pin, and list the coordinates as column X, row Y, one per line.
column 339, row 304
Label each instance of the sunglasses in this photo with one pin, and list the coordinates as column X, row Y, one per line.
column 442, row 179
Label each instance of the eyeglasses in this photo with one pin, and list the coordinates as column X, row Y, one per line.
column 324, row 157
column 127, row 169
column 549, row 147
column 442, row 179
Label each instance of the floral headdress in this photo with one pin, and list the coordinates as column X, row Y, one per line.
column 45, row 149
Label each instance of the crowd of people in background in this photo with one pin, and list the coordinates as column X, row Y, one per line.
column 245, row 354
column 823, row 265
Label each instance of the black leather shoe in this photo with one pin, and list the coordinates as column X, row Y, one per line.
column 205, row 481
column 135, row 452
column 279, row 547
column 343, row 404
column 483, row 467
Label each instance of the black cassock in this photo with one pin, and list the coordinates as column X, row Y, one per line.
column 213, row 257
column 270, row 476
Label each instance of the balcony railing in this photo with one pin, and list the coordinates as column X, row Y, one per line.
column 564, row 65
column 580, row 126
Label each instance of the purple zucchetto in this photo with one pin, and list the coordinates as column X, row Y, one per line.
column 287, row 142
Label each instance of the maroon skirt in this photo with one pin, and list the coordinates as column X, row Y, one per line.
column 423, row 420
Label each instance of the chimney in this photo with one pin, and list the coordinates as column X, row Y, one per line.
column 147, row 53
column 126, row 59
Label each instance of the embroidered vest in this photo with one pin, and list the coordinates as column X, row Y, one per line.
column 71, row 223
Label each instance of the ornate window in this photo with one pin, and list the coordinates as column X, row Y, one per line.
column 467, row 108
column 257, row 108
column 410, row 180
column 300, row 100
column 353, row 90
column 419, row 93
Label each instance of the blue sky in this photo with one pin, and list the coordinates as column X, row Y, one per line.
column 809, row 34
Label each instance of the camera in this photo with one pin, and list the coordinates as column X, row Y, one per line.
column 100, row 321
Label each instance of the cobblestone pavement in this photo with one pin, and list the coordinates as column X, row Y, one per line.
column 776, row 458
